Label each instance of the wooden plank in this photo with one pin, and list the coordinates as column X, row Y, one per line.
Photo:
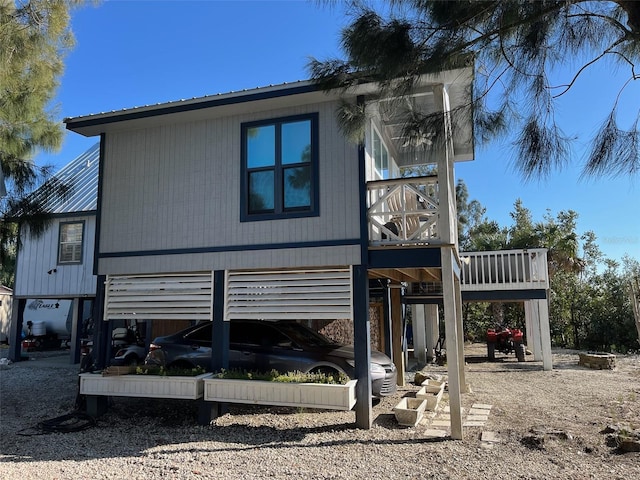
column 397, row 333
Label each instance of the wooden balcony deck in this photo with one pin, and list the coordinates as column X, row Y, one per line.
column 504, row 270
column 403, row 211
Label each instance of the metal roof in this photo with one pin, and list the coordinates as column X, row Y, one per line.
column 79, row 124
column 456, row 83
column 82, row 174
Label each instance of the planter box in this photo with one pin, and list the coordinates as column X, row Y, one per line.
column 409, row 411
column 146, row 386
column 432, row 399
column 432, row 386
column 311, row 395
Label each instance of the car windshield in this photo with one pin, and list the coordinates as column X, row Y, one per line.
column 304, row 336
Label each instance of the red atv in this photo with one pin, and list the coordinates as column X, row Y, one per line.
column 505, row 340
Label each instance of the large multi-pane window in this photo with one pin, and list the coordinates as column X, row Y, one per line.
column 380, row 156
column 70, row 242
column 279, row 168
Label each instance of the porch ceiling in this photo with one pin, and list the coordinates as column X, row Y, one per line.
column 410, row 275
column 424, row 102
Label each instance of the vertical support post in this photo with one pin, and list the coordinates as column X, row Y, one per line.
column 532, row 317
column 529, row 328
column 148, row 330
column 386, row 320
column 97, row 405
column 398, row 333
column 220, row 330
column 545, row 334
column 451, row 327
column 15, row 332
column 433, row 329
column 76, row 330
column 207, row 411
column 362, row 346
column 101, row 332
column 460, row 331
column 419, row 334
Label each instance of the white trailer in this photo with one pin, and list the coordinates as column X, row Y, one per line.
column 48, row 318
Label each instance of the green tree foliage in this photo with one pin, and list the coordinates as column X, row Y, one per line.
column 34, row 36
column 470, row 214
column 518, row 49
column 590, row 305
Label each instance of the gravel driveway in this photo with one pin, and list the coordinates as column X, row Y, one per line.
column 547, row 425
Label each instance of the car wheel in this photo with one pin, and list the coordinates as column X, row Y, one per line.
column 132, row 361
column 328, row 371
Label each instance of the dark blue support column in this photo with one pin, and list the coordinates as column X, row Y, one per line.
column 148, row 334
column 76, row 330
column 15, row 332
column 360, row 287
column 101, row 331
column 220, row 330
column 219, row 348
column 362, row 346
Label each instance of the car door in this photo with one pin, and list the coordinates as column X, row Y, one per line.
column 262, row 347
column 196, row 347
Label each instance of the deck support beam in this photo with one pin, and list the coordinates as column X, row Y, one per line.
column 386, row 321
column 398, row 334
column 207, row 411
column 545, row 333
column 433, row 329
column 538, row 331
column 362, row 346
column 15, row 330
column 76, row 329
column 532, row 321
column 419, row 328
column 455, row 367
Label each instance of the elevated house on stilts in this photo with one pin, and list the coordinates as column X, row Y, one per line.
column 254, row 205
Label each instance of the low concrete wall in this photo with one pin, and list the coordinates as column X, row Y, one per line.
column 598, row 361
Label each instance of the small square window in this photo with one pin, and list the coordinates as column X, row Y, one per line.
column 70, row 243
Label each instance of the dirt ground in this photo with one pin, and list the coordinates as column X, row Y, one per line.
column 547, row 424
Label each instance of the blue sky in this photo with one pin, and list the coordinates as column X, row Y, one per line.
column 134, row 53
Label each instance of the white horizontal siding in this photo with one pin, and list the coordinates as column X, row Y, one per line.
column 296, row 294
column 39, row 255
column 178, row 187
column 159, row 297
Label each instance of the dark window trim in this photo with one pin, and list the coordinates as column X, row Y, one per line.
column 60, row 225
column 314, row 209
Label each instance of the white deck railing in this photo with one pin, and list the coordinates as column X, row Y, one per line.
column 403, row 211
column 504, row 270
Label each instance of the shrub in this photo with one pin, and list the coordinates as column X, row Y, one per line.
column 288, row 377
column 169, row 372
